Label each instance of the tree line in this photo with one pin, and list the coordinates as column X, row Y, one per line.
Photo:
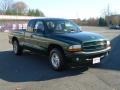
column 91, row 22
column 108, row 18
column 9, row 7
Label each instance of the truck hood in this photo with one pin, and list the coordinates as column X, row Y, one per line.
column 78, row 37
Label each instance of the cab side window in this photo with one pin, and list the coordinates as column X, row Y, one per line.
column 30, row 26
column 39, row 27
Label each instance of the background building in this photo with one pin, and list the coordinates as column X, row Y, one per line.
column 113, row 20
column 9, row 22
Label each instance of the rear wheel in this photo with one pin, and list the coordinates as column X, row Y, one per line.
column 57, row 59
column 17, row 49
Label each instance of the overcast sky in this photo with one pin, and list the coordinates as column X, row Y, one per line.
column 73, row 8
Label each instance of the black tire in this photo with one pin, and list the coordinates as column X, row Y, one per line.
column 17, row 49
column 61, row 62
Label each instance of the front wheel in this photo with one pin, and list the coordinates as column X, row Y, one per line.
column 57, row 59
column 16, row 48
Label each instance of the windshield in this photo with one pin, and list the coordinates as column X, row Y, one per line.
column 62, row 26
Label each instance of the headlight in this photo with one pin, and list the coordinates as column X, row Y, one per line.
column 108, row 43
column 74, row 48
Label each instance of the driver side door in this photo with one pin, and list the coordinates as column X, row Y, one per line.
column 38, row 35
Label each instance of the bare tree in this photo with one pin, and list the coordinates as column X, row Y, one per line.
column 107, row 14
column 107, row 11
column 5, row 5
column 20, row 7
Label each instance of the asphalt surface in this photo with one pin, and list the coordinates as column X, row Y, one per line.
column 32, row 71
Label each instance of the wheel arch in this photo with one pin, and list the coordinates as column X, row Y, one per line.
column 51, row 46
column 14, row 38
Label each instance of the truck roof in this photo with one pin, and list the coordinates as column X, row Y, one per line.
column 48, row 18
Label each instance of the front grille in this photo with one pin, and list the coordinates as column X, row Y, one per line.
column 94, row 46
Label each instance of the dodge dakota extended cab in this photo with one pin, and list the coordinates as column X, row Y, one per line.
column 62, row 40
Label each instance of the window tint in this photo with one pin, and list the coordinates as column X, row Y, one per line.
column 39, row 27
column 30, row 26
column 50, row 24
column 62, row 26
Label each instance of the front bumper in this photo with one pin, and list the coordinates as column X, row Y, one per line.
column 84, row 57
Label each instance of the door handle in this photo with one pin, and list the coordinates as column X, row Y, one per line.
column 35, row 35
column 31, row 36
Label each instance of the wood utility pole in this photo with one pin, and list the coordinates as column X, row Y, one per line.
column 108, row 14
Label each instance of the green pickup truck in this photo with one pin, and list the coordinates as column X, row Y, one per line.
column 62, row 40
